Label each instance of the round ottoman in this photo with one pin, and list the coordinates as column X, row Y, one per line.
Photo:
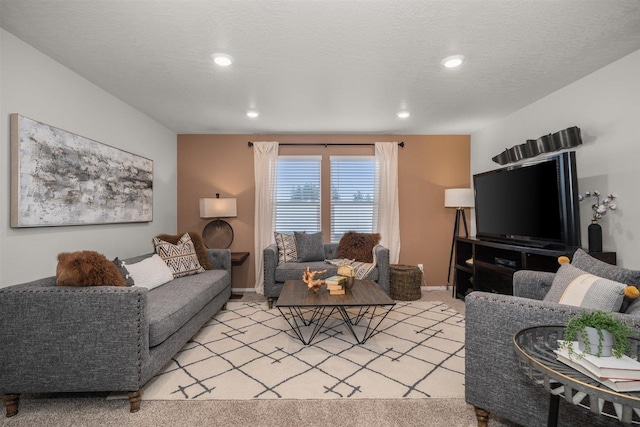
column 405, row 282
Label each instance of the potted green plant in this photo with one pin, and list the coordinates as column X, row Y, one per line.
column 592, row 330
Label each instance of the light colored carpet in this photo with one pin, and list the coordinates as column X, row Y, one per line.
column 250, row 352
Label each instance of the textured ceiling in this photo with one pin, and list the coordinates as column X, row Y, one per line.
column 333, row 66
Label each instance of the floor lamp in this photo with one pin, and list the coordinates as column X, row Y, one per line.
column 458, row 198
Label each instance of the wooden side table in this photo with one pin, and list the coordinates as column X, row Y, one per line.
column 237, row 258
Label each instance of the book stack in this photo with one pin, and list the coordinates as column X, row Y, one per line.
column 619, row 374
column 335, row 285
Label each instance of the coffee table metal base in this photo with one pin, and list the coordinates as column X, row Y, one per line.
column 318, row 316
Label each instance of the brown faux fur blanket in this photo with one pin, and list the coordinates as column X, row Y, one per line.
column 87, row 268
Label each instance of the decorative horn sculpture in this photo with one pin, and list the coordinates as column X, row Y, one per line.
column 567, row 138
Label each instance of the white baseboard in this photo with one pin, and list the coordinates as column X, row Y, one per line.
column 434, row 288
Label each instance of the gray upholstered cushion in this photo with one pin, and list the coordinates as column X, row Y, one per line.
column 172, row 304
column 309, row 246
column 584, row 261
column 573, row 286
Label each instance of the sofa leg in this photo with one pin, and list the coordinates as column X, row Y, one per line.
column 224, row 306
column 270, row 303
column 134, row 400
column 11, row 403
column 482, row 416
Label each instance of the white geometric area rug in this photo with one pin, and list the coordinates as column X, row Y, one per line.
column 250, row 352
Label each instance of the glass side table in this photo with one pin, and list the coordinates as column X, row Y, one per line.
column 534, row 347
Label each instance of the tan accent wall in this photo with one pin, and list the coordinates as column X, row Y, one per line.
column 428, row 164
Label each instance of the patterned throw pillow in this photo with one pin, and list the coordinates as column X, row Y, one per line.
column 287, row 251
column 572, row 286
column 198, row 244
column 181, row 258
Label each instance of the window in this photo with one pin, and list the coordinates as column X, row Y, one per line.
column 354, row 195
column 297, row 206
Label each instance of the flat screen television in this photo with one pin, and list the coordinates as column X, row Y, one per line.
column 534, row 204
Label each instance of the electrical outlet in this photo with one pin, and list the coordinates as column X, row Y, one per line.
column 421, row 267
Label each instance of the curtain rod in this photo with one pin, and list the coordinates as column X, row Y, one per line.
column 400, row 144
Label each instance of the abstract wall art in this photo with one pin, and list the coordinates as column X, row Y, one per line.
column 59, row 178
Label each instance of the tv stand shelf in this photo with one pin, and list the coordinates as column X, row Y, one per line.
column 495, row 262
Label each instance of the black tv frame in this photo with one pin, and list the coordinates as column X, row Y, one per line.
column 568, row 204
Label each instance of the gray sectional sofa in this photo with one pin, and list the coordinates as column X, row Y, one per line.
column 494, row 382
column 276, row 274
column 105, row 338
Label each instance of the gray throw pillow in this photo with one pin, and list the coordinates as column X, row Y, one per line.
column 584, row 261
column 123, row 270
column 309, row 246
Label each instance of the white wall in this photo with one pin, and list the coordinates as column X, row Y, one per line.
column 36, row 86
column 605, row 105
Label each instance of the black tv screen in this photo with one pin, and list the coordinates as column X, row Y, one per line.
column 535, row 204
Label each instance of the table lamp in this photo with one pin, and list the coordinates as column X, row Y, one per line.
column 218, row 234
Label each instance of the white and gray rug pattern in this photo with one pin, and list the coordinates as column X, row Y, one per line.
column 249, row 352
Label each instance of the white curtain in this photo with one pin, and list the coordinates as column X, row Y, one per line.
column 265, row 160
column 388, row 223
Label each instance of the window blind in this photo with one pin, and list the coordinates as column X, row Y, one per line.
column 297, row 206
column 354, row 195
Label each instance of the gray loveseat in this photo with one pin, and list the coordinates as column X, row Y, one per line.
column 493, row 381
column 276, row 274
column 101, row 338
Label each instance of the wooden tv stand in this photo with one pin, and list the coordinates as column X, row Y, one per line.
column 494, row 264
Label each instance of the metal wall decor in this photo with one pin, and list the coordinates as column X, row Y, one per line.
column 59, row 178
column 566, row 138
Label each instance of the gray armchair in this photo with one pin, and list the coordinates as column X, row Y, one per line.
column 276, row 274
column 493, row 380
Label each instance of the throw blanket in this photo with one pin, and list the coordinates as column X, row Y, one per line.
column 361, row 269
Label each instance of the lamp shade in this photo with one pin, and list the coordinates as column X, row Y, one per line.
column 218, row 208
column 458, row 198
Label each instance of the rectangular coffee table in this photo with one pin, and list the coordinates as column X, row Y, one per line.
column 303, row 308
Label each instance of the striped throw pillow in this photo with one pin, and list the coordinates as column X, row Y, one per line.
column 572, row 286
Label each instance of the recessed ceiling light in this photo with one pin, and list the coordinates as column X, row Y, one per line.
column 453, row 61
column 222, row 59
column 403, row 114
column 253, row 114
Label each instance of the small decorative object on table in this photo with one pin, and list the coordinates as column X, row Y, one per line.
column 599, row 210
column 348, row 272
column 308, row 277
